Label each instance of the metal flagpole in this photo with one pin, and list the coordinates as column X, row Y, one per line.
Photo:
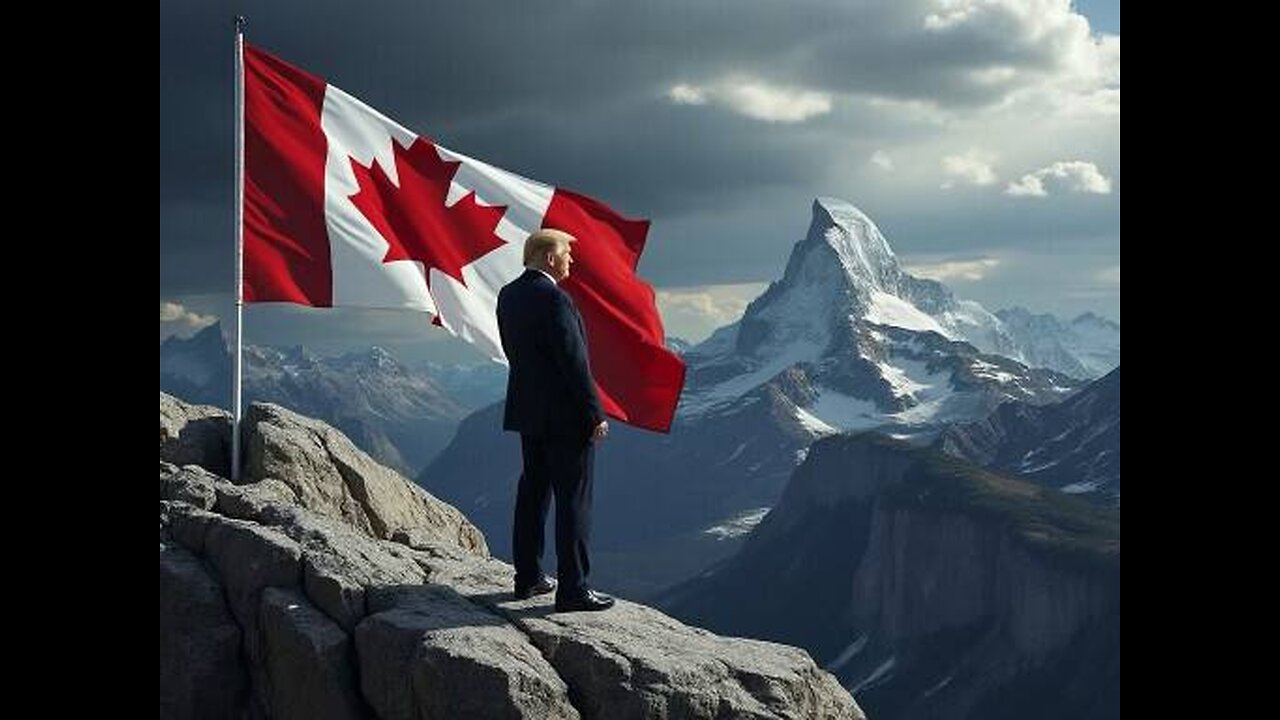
column 237, row 375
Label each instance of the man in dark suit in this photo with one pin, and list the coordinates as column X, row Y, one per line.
column 552, row 403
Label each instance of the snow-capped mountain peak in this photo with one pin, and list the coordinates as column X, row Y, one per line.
column 843, row 273
column 846, row 339
column 864, row 254
column 839, row 272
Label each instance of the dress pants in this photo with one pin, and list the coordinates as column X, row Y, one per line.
column 562, row 465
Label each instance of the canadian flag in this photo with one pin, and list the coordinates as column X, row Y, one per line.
column 345, row 207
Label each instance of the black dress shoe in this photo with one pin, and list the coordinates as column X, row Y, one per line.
column 542, row 587
column 591, row 601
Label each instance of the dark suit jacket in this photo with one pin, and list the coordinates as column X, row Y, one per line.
column 549, row 387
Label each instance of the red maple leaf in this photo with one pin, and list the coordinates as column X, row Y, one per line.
column 413, row 217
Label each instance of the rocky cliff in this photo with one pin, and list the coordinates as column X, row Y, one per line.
column 327, row 586
column 932, row 587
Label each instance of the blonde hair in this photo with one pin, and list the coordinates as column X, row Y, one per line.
column 541, row 242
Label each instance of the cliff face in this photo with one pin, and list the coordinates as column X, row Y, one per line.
column 935, row 589
column 327, row 586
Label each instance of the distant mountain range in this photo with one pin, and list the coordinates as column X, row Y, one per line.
column 1087, row 347
column 402, row 416
column 1073, row 446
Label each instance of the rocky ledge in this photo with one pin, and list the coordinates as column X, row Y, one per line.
column 325, row 585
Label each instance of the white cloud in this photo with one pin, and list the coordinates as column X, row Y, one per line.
column 951, row 14
column 993, row 75
column 756, row 99
column 1027, row 186
column 1074, row 175
column 1109, row 276
column 1039, row 55
column 775, row 104
column 683, row 94
column 882, row 160
column 1043, row 35
column 1108, row 59
column 944, row 270
column 973, row 167
column 692, row 312
column 1083, row 83
column 171, row 312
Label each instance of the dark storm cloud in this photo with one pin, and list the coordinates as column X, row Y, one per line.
column 574, row 94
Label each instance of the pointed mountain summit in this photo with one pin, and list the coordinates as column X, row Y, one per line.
column 861, row 343
column 844, row 271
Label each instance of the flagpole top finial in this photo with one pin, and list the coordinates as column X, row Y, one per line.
column 241, row 21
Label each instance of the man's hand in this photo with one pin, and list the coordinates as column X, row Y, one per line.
column 600, row 431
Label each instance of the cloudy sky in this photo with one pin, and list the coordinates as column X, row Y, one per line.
column 982, row 136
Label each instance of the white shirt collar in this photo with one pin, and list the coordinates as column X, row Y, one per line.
column 544, row 272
